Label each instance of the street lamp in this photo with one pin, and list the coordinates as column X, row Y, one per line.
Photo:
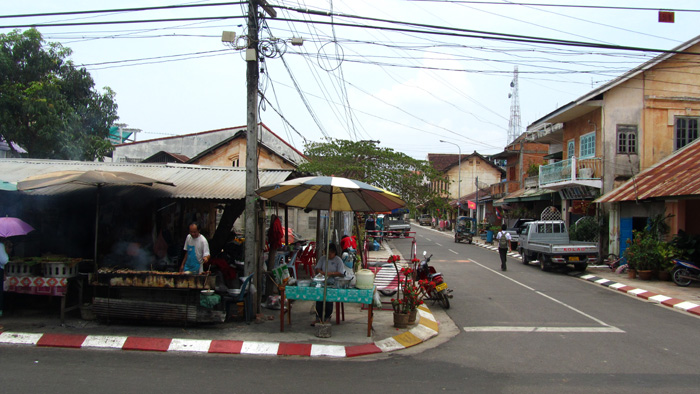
column 459, row 176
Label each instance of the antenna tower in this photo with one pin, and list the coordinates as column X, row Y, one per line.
column 514, row 125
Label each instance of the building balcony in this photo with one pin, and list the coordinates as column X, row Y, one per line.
column 500, row 189
column 572, row 172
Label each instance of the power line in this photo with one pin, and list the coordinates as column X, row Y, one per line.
column 558, row 5
column 135, row 9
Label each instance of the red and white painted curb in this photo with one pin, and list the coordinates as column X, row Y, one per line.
column 670, row 302
column 426, row 328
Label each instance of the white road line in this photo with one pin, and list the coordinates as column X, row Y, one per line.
column 428, row 239
column 544, row 329
column 452, row 251
column 438, row 244
column 602, row 323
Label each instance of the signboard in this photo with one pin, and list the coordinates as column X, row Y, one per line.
column 667, row 17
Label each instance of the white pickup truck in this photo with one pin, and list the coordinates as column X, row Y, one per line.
column 547, row 241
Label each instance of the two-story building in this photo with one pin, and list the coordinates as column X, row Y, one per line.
column 614, row 132
column 519, row 195
column 463, row 173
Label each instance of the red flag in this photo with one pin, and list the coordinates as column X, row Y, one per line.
column 471, row 205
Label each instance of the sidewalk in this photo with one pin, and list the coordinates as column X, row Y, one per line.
column 349, row 339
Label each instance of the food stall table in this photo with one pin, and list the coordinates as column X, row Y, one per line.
column 49, row 286
column 355, row 296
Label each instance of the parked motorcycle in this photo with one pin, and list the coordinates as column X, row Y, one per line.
column 432, row 282
column 685, row 272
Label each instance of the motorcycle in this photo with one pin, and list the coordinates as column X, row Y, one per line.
column 685, row 272
column 432, row 282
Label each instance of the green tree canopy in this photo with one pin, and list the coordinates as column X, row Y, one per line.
column 381, row 167
column 47, row 105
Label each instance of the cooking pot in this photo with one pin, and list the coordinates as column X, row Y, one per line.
column 365, row 279
column 342, row 283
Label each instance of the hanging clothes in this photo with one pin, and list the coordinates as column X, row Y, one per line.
column 275, row 233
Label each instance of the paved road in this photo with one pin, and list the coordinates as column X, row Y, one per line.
column 521, row 331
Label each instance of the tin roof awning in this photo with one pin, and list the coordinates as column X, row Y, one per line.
column 678, row 175
column 191, row 181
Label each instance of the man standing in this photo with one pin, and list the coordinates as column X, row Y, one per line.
column 196, row 251
column 504, row 245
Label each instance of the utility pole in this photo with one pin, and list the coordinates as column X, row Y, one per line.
column 251, row 160
column 459, row 176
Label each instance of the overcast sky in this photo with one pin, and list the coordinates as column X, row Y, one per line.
column 408, row 89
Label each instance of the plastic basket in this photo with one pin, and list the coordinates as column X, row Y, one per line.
column 59, row 270
column 17, row 269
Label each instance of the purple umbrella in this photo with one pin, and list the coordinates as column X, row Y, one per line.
column 9, row 227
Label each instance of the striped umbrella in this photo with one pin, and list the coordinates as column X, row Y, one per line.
column 331, row 193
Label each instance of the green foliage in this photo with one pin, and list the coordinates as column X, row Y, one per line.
column 587, row 230
column 381, row 167
column 646, row 252
column 688, row 245
column 533, row 169
column 47, row 105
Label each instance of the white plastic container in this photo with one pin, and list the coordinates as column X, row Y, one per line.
column 365, row 279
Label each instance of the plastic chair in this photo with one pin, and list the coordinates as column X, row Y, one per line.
column 245, row 297
column 293, row 262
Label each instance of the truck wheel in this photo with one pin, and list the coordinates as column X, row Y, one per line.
column 544, row 264
column 580, row 266
column 526, row 260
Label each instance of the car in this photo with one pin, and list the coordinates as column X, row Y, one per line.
column 425, row 220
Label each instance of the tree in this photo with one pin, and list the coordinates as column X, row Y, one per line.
column 48, row 105
column 381, row 167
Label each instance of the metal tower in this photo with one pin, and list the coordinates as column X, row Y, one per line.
column 514, row 125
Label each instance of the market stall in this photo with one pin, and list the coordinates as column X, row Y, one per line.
column 157, row 296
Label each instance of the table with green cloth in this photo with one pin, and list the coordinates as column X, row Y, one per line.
column 339, row 296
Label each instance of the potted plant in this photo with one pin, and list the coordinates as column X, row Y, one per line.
column 643, row 253
column 667, row 252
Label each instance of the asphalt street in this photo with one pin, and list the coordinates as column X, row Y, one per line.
column 519, row 331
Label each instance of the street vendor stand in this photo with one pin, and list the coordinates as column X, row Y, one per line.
column 339, row 296
column 54, row 279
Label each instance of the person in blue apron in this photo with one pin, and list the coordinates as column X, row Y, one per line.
column 196, row 251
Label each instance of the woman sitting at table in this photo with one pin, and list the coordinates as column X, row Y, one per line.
column 336, row 269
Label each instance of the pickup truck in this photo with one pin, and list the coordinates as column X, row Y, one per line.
column 396, row 226
column 547, row 241
column 515, row 230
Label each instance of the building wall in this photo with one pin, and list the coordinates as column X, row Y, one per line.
column 471, row 167
column 234, row 154
column 671, row 89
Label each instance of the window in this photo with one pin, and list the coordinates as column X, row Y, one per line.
column 686, row 130
column 626, row 138
column 587, row 145
column 570, row 149
column 312, row 222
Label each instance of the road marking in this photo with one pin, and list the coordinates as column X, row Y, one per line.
column 544, row 329
column 602, row 323
column 438, row 244
column 428, row 239
column 452, row 251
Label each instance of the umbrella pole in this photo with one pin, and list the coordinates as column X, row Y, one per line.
column 97, row 225
column 328, row 244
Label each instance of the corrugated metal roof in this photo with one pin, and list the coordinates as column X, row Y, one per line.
column 678, row 175
column 191, row 181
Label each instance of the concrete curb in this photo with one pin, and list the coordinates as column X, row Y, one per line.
column 427, row 327
column 670, row 302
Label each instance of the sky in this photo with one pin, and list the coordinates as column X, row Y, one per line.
column 374, row 80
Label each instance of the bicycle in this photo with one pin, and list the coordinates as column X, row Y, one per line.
column 615, row 263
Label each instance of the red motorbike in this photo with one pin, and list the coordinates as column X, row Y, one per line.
column 432, row 283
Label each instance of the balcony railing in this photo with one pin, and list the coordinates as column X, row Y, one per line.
column 570, row 170
column 500, row 189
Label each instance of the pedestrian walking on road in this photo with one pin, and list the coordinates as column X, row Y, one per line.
column 504, row 246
